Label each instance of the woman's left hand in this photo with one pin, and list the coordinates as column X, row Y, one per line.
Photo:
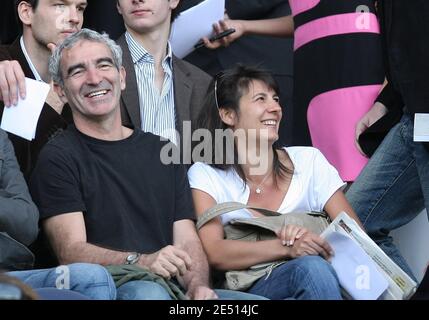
column 289, row 233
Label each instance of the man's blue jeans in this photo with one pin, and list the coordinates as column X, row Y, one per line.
column 91, row 280
column 148, row 290
column 303, row 278
column 393, row 188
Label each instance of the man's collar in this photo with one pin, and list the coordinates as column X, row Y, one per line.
column 30, row 63
column 138, row 52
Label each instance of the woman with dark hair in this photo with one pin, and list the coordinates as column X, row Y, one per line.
column 244, row 102
column 338, row 74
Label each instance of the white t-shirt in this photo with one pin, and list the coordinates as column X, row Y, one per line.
column 314, row 181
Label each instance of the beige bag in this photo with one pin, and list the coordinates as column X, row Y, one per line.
column 257, row 229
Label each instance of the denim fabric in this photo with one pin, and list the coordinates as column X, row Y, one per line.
column 303, row 278
column 58, row 294
column 142, row 290
column 93, row 281
column 393, row 188
column 148, row 290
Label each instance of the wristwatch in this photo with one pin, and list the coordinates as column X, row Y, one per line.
column 132, row 258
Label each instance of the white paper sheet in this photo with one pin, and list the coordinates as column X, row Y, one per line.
column 356, row 271
column 193, row 24
column 421, row 127
column 22, row 119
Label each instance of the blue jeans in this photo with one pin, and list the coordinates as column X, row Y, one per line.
column 303, row 278
column 148, row 290
column 90, row 280
column 393, row 188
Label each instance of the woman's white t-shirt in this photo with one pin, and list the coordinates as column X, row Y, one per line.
column 314, row 181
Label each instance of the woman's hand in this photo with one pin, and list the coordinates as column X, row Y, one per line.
column 311, row 244
column 289, row 233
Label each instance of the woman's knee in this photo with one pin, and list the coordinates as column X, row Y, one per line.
column 316, row 279
column 315, row 265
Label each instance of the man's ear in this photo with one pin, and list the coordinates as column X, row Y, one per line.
column 122, row 77
column 118, row 6
column 25, row 13
column 228, row 116
column 60, row 92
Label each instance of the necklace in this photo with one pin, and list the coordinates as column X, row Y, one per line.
column 258, row 189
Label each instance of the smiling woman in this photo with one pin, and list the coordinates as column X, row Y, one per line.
column 244, row 100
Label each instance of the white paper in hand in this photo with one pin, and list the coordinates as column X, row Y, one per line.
column 356, row 271
column 193, row 24
column 22, row 119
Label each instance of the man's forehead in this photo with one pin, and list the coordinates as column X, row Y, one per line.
column 87, row 50
column 66, row 2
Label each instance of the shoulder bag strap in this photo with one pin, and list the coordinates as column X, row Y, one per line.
column 226, row 207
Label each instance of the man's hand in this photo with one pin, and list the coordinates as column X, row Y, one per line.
column 222, row 26
column 377, row 111
column 168, row 262
column 12, row 80
column 201, row 293
column 311, row 244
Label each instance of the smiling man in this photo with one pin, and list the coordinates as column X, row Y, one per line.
column 103, row 193
column 45, row 23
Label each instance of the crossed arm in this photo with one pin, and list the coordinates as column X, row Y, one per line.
column 185, row 259
column 236, row 255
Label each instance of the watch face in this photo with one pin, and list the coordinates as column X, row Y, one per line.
column 132, row 258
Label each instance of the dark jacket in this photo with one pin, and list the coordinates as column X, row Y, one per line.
column 49, row 122
column 18, row 214
column 190, row 88
column 404, row 29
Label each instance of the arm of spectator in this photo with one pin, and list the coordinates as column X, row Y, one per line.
column 196, row 279
column 388, row 100
column 377, row 111
column 233, row 254
column 18, row 214
column 338, row 203
column 278, row 27
column 67, row 235
column 12, row 80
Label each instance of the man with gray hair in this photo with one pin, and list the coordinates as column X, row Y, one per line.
column 103, row 193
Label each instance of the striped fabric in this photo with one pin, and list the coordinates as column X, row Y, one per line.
column 157, row 110
column 338, row 72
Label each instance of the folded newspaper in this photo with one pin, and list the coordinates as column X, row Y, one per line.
column 400, row 285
